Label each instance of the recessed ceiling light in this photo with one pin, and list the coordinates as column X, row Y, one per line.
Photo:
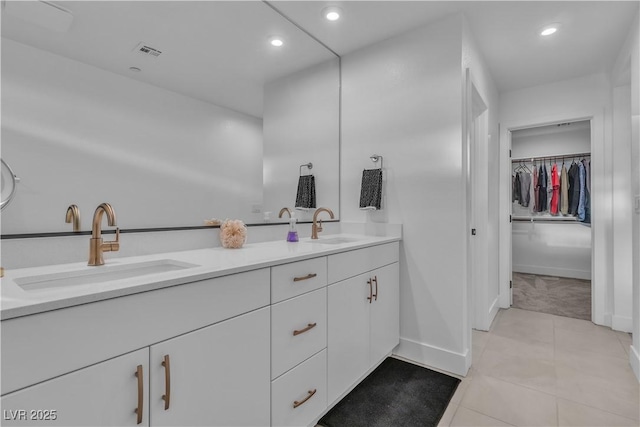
column 549, row 29
column 331, row 13
column 135, row 69
column 276, row 41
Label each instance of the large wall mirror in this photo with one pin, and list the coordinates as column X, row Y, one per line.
column 172, row 111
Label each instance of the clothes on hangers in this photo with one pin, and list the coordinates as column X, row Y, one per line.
column 536, row 190
column 555, row 190
column 564, row 190
column 587, row 203
column 581, row 213
column 542, row 188
column 574, row 189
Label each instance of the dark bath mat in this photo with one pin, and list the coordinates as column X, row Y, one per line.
column 395, row 394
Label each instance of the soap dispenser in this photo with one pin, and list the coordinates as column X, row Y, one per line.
column 292, row 235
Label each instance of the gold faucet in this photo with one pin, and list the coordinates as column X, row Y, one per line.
column 96, row 245
column 283, row 210
column 315, row 227
column 73, row 215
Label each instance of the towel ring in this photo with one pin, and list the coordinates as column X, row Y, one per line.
column 306, row 165
column 375, row 157
column 9, row 184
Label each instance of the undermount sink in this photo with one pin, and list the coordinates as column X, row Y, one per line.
column 99, row 274
column 334, row 240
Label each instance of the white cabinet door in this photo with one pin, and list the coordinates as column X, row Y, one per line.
column 385, row 312
column 105, row 394
column 216, row 376
column 348, row 334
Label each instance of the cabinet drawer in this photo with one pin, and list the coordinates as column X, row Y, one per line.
column 306, row 317
column 288, row 393
column 297, row 278
column 348, row 264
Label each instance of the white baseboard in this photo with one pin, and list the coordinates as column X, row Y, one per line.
column 552, row 271
column 621, row 323
column 439, row 358
column 634, row 359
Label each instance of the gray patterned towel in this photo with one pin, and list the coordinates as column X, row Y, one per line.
column 306, row 196
column 371, row 190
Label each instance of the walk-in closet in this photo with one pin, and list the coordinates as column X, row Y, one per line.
column 551, row 219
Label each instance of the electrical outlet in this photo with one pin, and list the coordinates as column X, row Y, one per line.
column 256, row 208
column 637, row 204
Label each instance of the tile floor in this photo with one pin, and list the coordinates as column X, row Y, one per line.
column 537, row 369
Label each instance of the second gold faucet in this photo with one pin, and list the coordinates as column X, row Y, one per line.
column 316, row 227
column 96, row 244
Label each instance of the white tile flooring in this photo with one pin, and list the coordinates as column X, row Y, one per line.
column 536, row 369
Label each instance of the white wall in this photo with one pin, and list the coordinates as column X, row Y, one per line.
column 551, row 140
column 301, row 125
column 622, row 210
column 629, row 62
column 587, row 97
column 402, row 99
column 77, row 134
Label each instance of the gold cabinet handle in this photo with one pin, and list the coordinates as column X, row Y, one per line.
column 311, row 393
column 308, row 276
column 375, row 279
column 138, row 410
column 302, row 331
column 370, row 297
column 167, row 382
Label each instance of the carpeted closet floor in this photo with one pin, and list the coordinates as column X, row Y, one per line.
column 553, row 295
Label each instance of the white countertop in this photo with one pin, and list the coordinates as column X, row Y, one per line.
column 210, row 263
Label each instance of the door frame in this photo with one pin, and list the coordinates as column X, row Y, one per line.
column 600, row 215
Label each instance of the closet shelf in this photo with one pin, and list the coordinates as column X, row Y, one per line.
column 559, row 157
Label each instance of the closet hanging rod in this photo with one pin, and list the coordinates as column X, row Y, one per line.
column 542, row 158
column 546, row 219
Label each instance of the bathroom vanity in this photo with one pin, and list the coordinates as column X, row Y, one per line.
column 274, row 333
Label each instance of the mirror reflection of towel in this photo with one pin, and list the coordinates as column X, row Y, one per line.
column 306, row 197
column 371, row 190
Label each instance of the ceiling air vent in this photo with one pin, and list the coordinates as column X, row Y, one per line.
column 144, row 49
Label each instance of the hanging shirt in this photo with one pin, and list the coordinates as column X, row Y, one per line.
column 587, row 202
column 534, row 183
column 517, row 188
column 582, row 194
column 564, row 191
column 532, row 201
column 574, row 189
column 542, row 188
column 525, row 183
column 555, row 185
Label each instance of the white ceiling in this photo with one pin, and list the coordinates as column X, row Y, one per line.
column 589, row 39
column 216, row 51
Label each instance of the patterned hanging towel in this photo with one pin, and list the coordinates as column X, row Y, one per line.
column 306, row 196
column 371, row 190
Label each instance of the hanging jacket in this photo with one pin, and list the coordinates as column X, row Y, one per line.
column 574, row 189
column 582, row 185
column 555, row 188
column 542, row 188
column 564, row 191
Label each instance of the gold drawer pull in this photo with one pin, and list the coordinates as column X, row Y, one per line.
column 311, row 393
column 308, row 276
column 138, row 410
column 167, row 382
column 302, row 331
